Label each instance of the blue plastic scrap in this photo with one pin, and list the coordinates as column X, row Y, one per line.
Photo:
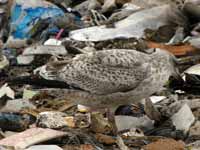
column 23, row 18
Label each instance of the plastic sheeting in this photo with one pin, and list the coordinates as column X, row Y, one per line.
column 25, row 14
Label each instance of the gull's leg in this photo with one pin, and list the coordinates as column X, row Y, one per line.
column 111, row 119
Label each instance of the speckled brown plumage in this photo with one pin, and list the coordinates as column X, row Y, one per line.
column 119, row 76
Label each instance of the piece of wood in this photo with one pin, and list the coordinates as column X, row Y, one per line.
column 151, row 110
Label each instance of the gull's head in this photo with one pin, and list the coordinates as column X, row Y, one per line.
column 166, row 60
column 46, row 72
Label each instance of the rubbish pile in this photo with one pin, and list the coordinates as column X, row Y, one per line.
column 99, row 75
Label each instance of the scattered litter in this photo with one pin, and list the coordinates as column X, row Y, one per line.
column 151, row 111
column 99, row 124
column 134, row 132
column 53, row 120
column 194, row 70
column 45, row 49
column 82, row 147
column 17, row 105
column 3, row 62
column 132, row 26
column 121, row 144
column 105, row 139
column 24, row 60
column 53, row 42
column 178, row 36
column 3, row 1
column 83, row 109
column 178, row 50
column 31, row 137
column 194, row 145
column 5, row 90
column 28, row 94
column 195, row 129
column 40, row 147
column 26, row 15
column 195, row 42
column 15, row 121
column 166, row 144
column 156, row 99
column 99, row 74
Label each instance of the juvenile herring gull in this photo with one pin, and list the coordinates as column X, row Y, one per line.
column 110, row 78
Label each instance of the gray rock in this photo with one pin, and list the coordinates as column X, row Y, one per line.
column 183, row 119
column 128, row 122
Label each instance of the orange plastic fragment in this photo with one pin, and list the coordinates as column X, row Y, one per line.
column 178, row 50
